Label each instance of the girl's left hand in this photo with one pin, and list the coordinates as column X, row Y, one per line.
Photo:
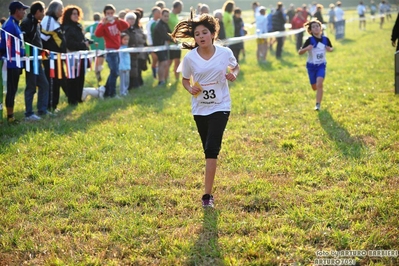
column 231, row 76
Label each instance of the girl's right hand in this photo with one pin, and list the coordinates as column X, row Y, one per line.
column 194, row 90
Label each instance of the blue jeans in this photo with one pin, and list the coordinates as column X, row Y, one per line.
column 113, row 64
column 33, row 81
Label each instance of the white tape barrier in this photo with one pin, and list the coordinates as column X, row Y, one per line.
column 148, row 49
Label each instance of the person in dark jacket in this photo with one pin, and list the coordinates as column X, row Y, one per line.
column 318, row 14
column 218, row 14
column 31, row 29
column 239, row 31
column 395, row 34
column 137, row 38
column 161, row 37
column 14, row 67
column 278, row 22
column 53, row 40
column 75, row 41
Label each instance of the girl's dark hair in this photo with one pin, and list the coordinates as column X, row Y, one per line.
column 308, row 25
column 137, row 23
column 185, row 29
column 141, row 11
column 237, row 11
column 37, row 5
column 228, row 6
column 66, row 15
column 124, row 34
column 96, row 16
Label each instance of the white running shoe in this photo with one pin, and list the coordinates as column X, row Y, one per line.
column 32, row 118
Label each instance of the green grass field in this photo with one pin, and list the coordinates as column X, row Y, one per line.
column 119, row 181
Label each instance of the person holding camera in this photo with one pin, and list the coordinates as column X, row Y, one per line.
column 75, row 41
column 110, row 29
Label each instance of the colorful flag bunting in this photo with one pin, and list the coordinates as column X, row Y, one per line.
column 35, row 60
column 52, row 66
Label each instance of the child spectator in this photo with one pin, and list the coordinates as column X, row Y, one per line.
column 124, row 65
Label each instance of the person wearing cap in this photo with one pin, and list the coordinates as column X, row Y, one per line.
column 339, row 13
column 14, row 68
column 31, row 29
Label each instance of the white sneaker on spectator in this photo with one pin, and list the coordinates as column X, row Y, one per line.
column 32, row 118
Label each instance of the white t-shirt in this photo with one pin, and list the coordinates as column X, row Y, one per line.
column 149, row 33
column 211, row 75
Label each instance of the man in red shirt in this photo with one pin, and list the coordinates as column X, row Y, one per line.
column 110, row 29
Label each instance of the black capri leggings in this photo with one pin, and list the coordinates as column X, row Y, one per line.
column 12, row 85
column 211, row 128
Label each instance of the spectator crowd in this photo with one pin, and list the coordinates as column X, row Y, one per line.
column 58, row 29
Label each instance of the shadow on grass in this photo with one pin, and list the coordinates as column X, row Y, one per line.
column 349, row 146
column 345, row 41
column 66, row 122
column 277, row 64
column 206, row 249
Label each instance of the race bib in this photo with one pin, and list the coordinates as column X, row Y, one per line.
column 211, row 94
